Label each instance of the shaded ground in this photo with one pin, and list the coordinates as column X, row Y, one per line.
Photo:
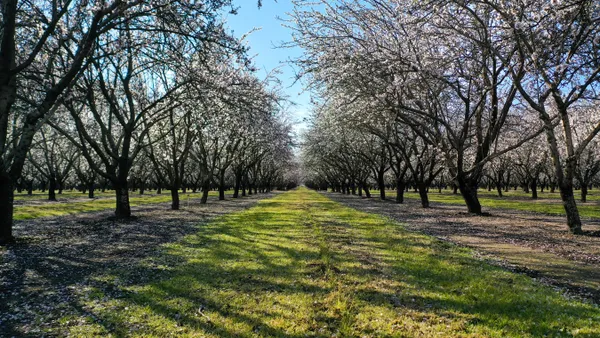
column 536, row 244
column 53, row 258
column 301, row 265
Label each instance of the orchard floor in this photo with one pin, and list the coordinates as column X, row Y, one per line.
column 534, row 243
column 57, row 256
column 294, row 265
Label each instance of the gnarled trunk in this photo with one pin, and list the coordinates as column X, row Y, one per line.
column 468, row 190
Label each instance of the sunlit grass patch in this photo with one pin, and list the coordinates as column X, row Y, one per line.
column 54, row 209
column 301, row 265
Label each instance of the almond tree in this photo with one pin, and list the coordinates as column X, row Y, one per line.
column 558, row 43
column 45, row 46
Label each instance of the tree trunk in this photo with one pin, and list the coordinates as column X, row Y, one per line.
column 584, row 192
column 6, row 209
column 30, row 188
column 175, row 198
column 205, row 189
column 400, row 191
column 91, row 190
column 367, row 192
column 123, row 209
column 422, row 187
column 360, row 190
column 534, row 193
column 381, row 184
column 52, row 189
column 221, row 192
column 568, row 199
column 236, row 190
column 469, row 194
column 159, row 190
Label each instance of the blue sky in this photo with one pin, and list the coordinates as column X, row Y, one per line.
column 263, row 44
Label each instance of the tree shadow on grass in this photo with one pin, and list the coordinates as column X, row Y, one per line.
column 53, row 259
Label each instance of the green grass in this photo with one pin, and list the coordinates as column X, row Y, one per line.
column 39, row 195
column 513, row 200
column 302, row 265
column 53, row 209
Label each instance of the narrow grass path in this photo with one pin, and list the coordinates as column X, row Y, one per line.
column 302, row 265
column 54, row 209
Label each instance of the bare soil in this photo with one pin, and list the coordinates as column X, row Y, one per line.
column 536, row 244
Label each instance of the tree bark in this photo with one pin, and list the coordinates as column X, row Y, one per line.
column 205, row 189
column 533, row 186
column 584, row 193
column 400, row 191
column 52, row 189
column 573, row 219
column 123, row 208
column 468, row 191
column 367, row 192
column 236, row 190
column 91, row 190
column 175, row 198
column 6, row 209
column 381, row 184
column 422, row 188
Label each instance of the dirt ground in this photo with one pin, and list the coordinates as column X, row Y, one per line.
column 53, row 258
column 536, row 244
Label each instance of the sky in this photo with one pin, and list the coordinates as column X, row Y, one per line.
column 263, row 46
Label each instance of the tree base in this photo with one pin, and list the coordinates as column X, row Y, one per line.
column 7, row 241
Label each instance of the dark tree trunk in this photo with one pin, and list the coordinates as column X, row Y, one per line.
column 533, row 186
column 468, row 191
column 454, row 189
column 205, row 189
column 6, row 209
column 221, row 191
column 52, row 189
column 123, row 209
column 400, row 191
column 381, row 184
column 159, row 190
column 175, row 198
column 91, row 190
column 367, row 192
column 568, row 199
column 499, row 189
column 360, row 190
column 142, row 187
column 236, row 189
column 30, row 188
column 422, row 187
column 584, row 193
